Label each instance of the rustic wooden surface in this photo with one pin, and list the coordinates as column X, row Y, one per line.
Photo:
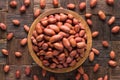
column 7, row 14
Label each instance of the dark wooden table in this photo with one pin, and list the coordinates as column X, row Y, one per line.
column 7, row 14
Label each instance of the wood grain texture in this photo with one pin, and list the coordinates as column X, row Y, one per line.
column 2, row 74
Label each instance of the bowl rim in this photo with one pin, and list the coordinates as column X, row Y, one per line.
column 88, row 33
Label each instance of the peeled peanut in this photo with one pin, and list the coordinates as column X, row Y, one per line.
column 42, row 3
column 73, row 42
column 93, row 3
column 9, row 36
column 27, row 70
column 115, row 29
column 26, row 28
column 3, row 26
column 89, row 21
column 112, row 55
column 88, row 15
column 23, row 42
column 95, row 34
column 6, row 68
column 82, row 6
column 54, row 27
column 65, row 28
column 96, row 67
column 78, row 76
column 55, row 38
column 18, row 54
column 102, row 15
column 55, row 3
column 35, row 77
column 4, row 52
column 105, row 77
column 13, row 3
column 61, row 56
column 22, row 9
column 81, row 70
column 111, row 20
column 27, row 3
column 85, row 77
column 16, row 22
column 91, row 56
column 112, row 63
column 110, row 2
column 71, row 6
column 44, row 72
column 95, row 51
column 37, row 13
column 58, row 46
column 105, row 44
column 17, row 74
column 81, row 44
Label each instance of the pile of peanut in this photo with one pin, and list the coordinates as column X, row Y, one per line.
column 59, row 40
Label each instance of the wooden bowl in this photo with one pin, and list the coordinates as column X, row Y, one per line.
column 88, row 33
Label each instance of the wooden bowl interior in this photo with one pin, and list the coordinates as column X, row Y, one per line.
column 88, row 33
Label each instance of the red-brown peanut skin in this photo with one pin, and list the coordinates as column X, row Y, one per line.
column 55, row 3
column 96, row 67
column 42, row 3
column 89, row 21
column 105, row 44
column 85, row 77
column 71, row 6
column 9, row 36
column 44, row 72
column 93, row 3
column 66, row 43
column 55, row 38
column 37, row 12
column 95, row 34
column 16, row 22
column 13, row 4
column 82, row 6
column 81, row 70
column 54, row 27
column 35, row 77
column 4, row 52
column 110, row 2
column 27, row 3
column 26, row 28
column 112, row 63
column 73, row 42
column 49, row 32
column 112, row 55
column 78, row 76
column 38, row 28
column 115, row 29
column 105, row 77
column 58, row 46
column 111, row 20
column 100, row 78
column 23, row 42
column 95, row 51
column 6, row 68
column 18, row 54
column 3, row 26
column 22, row 9
column 27, row 70
column 102, row 15
column 52, row 78
column 88, row 15
column 17, row 74
column 91, row 56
